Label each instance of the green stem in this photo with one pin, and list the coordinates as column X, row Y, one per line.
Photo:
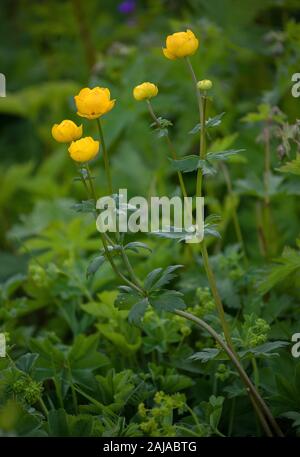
column 105, row 237
column 244, row 377
column 255, row 372
column 74, row 397
column 214, row 290
column 90, row 179
column 114, row 266
column 134, row 277
column 235, row 218
column 202, row 155
column 108, row 176
column 105, row 157
column 171, row 148
column 43, row 406
column 202, row 151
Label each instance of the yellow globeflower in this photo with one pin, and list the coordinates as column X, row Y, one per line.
column 84, row 149
column 180, row 44
column 66, row 131
column 145, row 91
column 93, row 103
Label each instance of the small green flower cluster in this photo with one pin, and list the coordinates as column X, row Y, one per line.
column 38, row 275
column 223, row 372
column 255, row 331
column 206, row 304
column 231, row 263
column 27, row 389
column 158, row 421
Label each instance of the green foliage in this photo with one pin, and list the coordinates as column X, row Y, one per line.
column 88, row 355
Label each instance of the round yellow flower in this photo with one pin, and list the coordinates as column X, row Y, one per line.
column 180, row 44
column 145, row 91
column 204, row 84
column 93, row 103
column 84, row 149
column 66, row 131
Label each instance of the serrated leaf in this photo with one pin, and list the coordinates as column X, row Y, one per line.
column 265, row 350
column 159, row 277
column 169, row 300
column 205, row 355
column 192, row 163
column 152, row 277
column 137, row 312
column 286, row 265
column 291, row 167
column 211, row 122
column 136, row 245
column 95, row 265
column 126, row 299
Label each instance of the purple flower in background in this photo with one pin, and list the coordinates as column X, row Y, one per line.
column 127, row 7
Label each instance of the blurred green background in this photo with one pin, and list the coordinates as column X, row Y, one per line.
column 51, row 49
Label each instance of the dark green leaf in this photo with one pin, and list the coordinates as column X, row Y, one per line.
column 137, row 312
column 169, row 300
column 95, row 265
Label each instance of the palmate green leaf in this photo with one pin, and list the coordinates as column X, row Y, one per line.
column 116, row 389
column 57, row 423
column 168, row 300
column 95, row 265
column 137, row 312
column 180, row 234
column 129, row 343
column 127, row 298
column 163, row 128
column 160, row 277
column 83, row 358
column 84, row 353
column 206, row 355
column 211, row 122
column 51, row 359
column 291, row 167
column 287, row 264
column 264, row 350
column 193, row 162
column 26, row 362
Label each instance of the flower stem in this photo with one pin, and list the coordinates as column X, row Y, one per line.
column 214, row 290
column 245, row 378
column 171, row 148
column 108, row 175
column 105, row 238
column 202, row 154
column 105, row 157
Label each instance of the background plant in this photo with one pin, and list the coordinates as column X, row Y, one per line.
column 249, row 50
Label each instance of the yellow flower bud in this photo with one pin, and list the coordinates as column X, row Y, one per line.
column 180, row 44
column 84, row 149
column 205, row 84
column 66, row 131
column 145, row 91
column 93, row 103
